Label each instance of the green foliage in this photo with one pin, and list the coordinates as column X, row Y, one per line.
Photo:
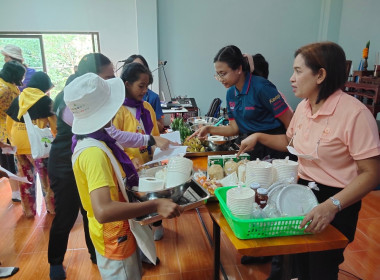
column 62, row 53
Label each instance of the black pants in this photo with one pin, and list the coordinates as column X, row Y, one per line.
column 67, row 206
column 324, row 264
column 7, row 161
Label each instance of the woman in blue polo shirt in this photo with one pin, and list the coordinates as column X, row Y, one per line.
column 253, row 103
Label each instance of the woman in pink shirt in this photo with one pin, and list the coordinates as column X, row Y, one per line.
column 336, row 140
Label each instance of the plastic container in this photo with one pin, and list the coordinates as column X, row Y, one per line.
column 261, row 197
column 258, row 228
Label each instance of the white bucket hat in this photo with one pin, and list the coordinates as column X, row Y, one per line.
column 93, row 101
column 13, row 51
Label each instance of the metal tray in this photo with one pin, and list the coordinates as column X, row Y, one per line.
column 194, row 197
column 212, row 197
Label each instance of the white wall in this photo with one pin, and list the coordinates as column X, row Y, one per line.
column 360, row 23
column 192, row 32
column 147, row 36
column 114, row 20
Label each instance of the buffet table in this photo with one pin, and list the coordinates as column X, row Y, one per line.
column 329, row 239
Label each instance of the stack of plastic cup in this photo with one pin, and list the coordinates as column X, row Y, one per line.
column 240, row 202
column 285, row 170
column 178, row 171
column 259, row 172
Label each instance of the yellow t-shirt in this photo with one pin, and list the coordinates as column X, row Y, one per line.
column 8, row 92
column 93, row 170
column 126, row 121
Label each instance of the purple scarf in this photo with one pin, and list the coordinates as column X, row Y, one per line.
column 126, row 163
column 141, row 112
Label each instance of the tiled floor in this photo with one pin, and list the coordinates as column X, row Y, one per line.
column 184, row 251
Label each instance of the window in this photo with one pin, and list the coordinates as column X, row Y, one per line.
column 54, row 53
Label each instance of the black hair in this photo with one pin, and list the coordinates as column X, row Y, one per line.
column 329, row 56
column 92, row 63
column 13, row 72
column 41, row 81
column 233, row 57
column 131, row 72
column 134, row 56
column 261, row 66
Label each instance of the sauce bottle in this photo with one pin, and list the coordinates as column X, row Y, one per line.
column 261, row 197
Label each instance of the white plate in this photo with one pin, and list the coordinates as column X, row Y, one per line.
column 296, row 200
column 275, row 185
column 273, row 194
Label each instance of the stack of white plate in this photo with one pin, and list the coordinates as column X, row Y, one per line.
column 240, row 202
column 285, row 170
column 259, row 172
column 178, row 171
column 295, row 200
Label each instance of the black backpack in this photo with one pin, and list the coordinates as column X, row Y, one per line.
column 214, row 110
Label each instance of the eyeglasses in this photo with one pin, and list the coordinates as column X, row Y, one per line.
column 220, row 77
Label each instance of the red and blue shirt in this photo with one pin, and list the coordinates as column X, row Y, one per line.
column 257, row 107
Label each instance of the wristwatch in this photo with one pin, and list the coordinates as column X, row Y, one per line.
column 336, row 202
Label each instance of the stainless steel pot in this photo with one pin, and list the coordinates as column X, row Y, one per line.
column 223, row 145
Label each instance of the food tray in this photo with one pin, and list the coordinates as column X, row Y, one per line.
column 195, row 196
column 258, row 228
column 210, row 153
column 212, row 197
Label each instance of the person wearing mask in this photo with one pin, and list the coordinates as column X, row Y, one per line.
column 326, row 133
column 12, row 52
column 151, row 97
column 253, row 103
column 34, row 101
column 10, row 77
column 94, row 102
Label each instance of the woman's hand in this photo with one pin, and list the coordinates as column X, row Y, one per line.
column 248, row 144
column 201, row 133
column 168, row 209
column 164, row 143
column 320, row 217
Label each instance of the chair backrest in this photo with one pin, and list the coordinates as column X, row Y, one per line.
column 214, row 110
column 368, row 94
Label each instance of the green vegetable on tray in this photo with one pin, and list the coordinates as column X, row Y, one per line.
column 179, row 125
